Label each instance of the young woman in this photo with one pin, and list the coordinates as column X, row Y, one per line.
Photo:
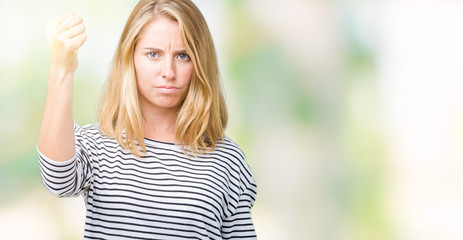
column 157, row 165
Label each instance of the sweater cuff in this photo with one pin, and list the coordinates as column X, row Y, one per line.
column 56, row 163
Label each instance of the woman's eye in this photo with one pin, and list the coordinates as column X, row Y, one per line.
column 152, row 55
column 183, row 56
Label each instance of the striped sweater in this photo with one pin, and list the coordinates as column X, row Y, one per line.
column 161, row 195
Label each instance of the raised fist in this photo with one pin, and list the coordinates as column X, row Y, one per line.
column 66, row 34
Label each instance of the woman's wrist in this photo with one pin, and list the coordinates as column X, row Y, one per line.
column 60, row 75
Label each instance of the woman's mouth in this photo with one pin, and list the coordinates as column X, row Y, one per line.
column 167, row 89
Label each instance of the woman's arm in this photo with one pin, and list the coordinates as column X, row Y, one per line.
column 66, row 34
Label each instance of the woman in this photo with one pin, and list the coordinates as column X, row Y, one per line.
column 157, row 165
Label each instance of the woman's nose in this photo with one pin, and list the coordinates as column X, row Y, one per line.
column 168, row 69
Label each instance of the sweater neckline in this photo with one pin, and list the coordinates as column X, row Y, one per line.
column 149, row 140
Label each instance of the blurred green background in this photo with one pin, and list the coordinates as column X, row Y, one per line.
column 350, row 113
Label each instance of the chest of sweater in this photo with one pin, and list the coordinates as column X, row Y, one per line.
column 161, row 186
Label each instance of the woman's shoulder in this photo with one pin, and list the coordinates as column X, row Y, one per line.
column 235, row 154
column 92, row 128
column 91, row 131
column 241, row 165
column 92, row 135
column 231, row 147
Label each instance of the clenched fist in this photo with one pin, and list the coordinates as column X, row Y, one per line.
column 66, row 34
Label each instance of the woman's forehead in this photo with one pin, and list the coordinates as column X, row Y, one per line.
column 161, row 30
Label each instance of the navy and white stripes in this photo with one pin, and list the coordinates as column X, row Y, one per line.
column 162, row 195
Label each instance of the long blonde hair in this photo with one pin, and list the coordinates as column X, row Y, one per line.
column 203, row 116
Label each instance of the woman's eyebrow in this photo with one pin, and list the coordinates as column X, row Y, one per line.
column 181, row 51
column 154, row 49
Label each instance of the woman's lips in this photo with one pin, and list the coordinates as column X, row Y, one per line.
column 167, row 89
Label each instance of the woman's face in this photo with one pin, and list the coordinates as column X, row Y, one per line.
column 162, row 66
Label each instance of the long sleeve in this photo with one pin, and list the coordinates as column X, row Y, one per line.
column 240, row 225
column 72, row 177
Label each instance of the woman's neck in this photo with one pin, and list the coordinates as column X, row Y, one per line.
column 160, row 125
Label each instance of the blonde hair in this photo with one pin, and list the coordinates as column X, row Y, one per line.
column 202, row 117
